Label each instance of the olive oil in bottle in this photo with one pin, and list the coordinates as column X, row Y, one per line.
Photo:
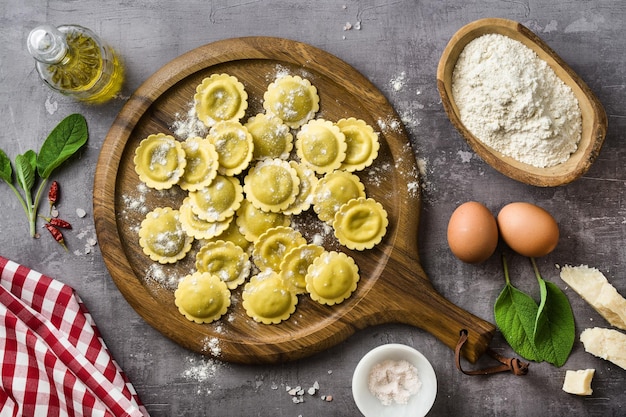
column 72, row 60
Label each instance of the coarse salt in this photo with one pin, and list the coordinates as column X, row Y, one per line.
column 394, row 381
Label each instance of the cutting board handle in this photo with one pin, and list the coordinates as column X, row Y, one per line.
column 410, row 298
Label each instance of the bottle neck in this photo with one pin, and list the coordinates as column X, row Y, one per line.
column 47, row 44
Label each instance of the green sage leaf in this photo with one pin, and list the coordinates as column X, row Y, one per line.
column 515, row 313
column 25, row 169
column 6, row 171
column 64, row 141
column 555, row 330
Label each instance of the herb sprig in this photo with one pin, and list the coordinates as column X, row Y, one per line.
column 63, row 142
column 537, row 332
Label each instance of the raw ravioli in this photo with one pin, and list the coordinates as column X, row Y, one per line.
column 308, row 182
column 268, row 299
column 198, row 228
column 294, row 267
column 159, row 161
column 202, row 297
column 272, row 138
column 332, row 277
column 333, row 191
column 162, row 237
column 225, row 260
column 218, row 201
column 272, row 185
column 220, row 97
column 273, row 245
column 202, row 163
column 293, row 99
column 360, row 223
column 362, row 144
column 234, row 146
column 253, row 222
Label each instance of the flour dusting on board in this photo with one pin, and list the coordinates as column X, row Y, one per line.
column 188, row 125
column 136, row 201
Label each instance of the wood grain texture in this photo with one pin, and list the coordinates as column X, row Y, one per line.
column 594, row 120
column 393, row 286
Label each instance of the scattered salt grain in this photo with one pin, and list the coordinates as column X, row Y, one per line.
column 313, row 390
column 51, row 106
column 87, row 234
column 298, row 393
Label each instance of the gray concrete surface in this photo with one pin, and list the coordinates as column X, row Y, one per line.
column 397, row 45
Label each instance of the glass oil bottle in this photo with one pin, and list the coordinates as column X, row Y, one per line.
column 72, row 60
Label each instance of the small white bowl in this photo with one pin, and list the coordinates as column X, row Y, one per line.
column 417, row 406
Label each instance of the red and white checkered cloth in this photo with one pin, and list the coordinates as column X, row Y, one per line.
column 53, row 361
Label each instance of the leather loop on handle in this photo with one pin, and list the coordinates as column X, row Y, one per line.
column 514, row 365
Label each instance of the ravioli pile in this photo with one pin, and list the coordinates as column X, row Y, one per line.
column 244, row 183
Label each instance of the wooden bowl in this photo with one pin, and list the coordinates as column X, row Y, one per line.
column 594, row 121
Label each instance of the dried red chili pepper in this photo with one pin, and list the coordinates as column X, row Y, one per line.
column 57, row 222
column 56, row 234
column 53, row 194
column 60, row 223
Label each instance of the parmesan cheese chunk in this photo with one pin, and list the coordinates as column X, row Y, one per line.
column 594, row 288
column 578, row 382
column 607, row 344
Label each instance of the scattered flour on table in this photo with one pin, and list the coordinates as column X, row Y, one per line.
column 397, row 82
column 202, row 370
column 394, row 381
column 514, row 102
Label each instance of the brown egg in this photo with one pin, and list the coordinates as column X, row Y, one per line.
column 528, row 229
column 472, row 232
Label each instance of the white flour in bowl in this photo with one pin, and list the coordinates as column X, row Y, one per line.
column 512, row 100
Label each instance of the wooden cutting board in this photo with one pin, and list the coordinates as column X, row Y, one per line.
column 393, row 285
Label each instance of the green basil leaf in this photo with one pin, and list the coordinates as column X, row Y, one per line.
column 25, row 168
column 6, row 171
column 64, row 141
column 515, row 313
column 555, row 330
